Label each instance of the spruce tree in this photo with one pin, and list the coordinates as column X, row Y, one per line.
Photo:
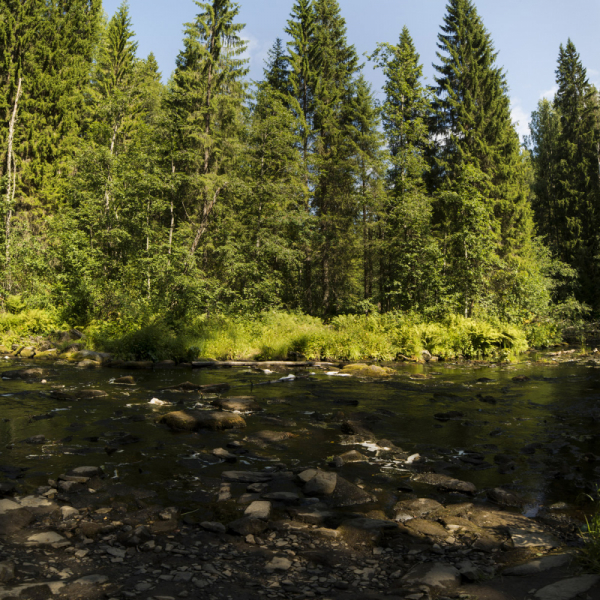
column 478, row 146
column 409, row 249
column 276, row 71
column 578, row 188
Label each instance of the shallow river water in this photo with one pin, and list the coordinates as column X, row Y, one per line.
column 538, row 437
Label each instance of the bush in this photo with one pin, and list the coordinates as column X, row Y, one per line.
column 279, row 335
column 29, row 322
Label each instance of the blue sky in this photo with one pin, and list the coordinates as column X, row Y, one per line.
column 526, row 33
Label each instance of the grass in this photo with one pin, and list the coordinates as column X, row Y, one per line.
column 589, row 557
column 280, row 335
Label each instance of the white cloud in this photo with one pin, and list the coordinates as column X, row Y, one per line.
column 549, row 94
column 519, row 117
column 257, row 53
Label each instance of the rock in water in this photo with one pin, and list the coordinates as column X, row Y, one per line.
column 322, row 484
column 436, row 576
column 241, row 403
column 443, row 482
column 194, row 419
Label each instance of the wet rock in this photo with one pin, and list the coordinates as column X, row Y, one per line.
column 247, row 526
column 68, row 512
column 531, row 448
column 31, row 373
column 353, row 456
column 415, row 508
column 7, row 488
column 239, row 403
column 363, row 370
column 186, row 386
column 520, row 378
column 436, row 576
column 86, row 471
column 524, row 538
column 448, row 416
column 224, row 455
column 77, row 395
column 443, row 482
column 7, row 571
column 213, row 527
column 487, row 399
column 546, row 563
column 247, row 476
column 127, row 380
column 313, row 515
column 269, row 437
column 259, row 509
column 15, row 520
column 567, row 589
column 45, row 538
column 194, row 419
column 322, row 484
column 348, row 494
column 428, row 529
column 35, row 439
column 355, row 428
column 504, row 498
column 278, row 563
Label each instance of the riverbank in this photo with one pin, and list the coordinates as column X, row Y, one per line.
column 276, row 336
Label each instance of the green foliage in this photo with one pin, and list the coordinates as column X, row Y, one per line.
column 28, row 322
column 278, row 335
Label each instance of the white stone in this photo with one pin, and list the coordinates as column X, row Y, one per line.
column 7, row 505
column 259, row 509
column 46, row 537
column 36, row 502
column 68, row 512
column 279, row 563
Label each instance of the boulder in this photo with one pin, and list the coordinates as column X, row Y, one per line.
column 322, row 484
column 32, row 373
column 239, row 403
column 504, row 498
column 193, row 420
column 353, row 456
column 127, row 380
column 419, row 507
column 348, row 494
column 568, row 589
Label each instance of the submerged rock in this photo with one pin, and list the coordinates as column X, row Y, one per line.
column 195, row 419
column 127, row 380
column 504, row 498
column 31, row 373
column 187, row 386
column 77, row 395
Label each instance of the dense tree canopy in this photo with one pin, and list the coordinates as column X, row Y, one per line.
column 124, row 196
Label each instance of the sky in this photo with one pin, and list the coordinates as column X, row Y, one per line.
column 526, row 33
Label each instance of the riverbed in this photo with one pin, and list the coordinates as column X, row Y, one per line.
column 530, row 428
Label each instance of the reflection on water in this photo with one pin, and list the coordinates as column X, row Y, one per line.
column 538, row 437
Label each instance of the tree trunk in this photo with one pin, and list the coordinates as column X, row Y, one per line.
column 11, row 170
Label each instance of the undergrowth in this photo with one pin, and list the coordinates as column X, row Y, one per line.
column 280, row 335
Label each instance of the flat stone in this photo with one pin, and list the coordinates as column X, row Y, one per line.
column 192, row 420
column 418, row 507
column 322, row 484
column 46, row 537
column 240, row 403
column 443, row 482
column 422, row 527
column 307, row 475
column 213, row 526
column 259, row 509
column 68, row 512
column 436, row 576
column 279, row 563
column 567, row 589
column 246, row 476
column 86, row 471
column 523, row 538
column 540, row 565
column 8, row 505
column 91, row 580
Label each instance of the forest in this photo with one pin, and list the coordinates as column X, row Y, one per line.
column 297, row 209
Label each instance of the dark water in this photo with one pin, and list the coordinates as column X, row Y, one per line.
column 557, row 411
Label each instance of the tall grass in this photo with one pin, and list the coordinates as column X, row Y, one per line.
column 280, row 335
